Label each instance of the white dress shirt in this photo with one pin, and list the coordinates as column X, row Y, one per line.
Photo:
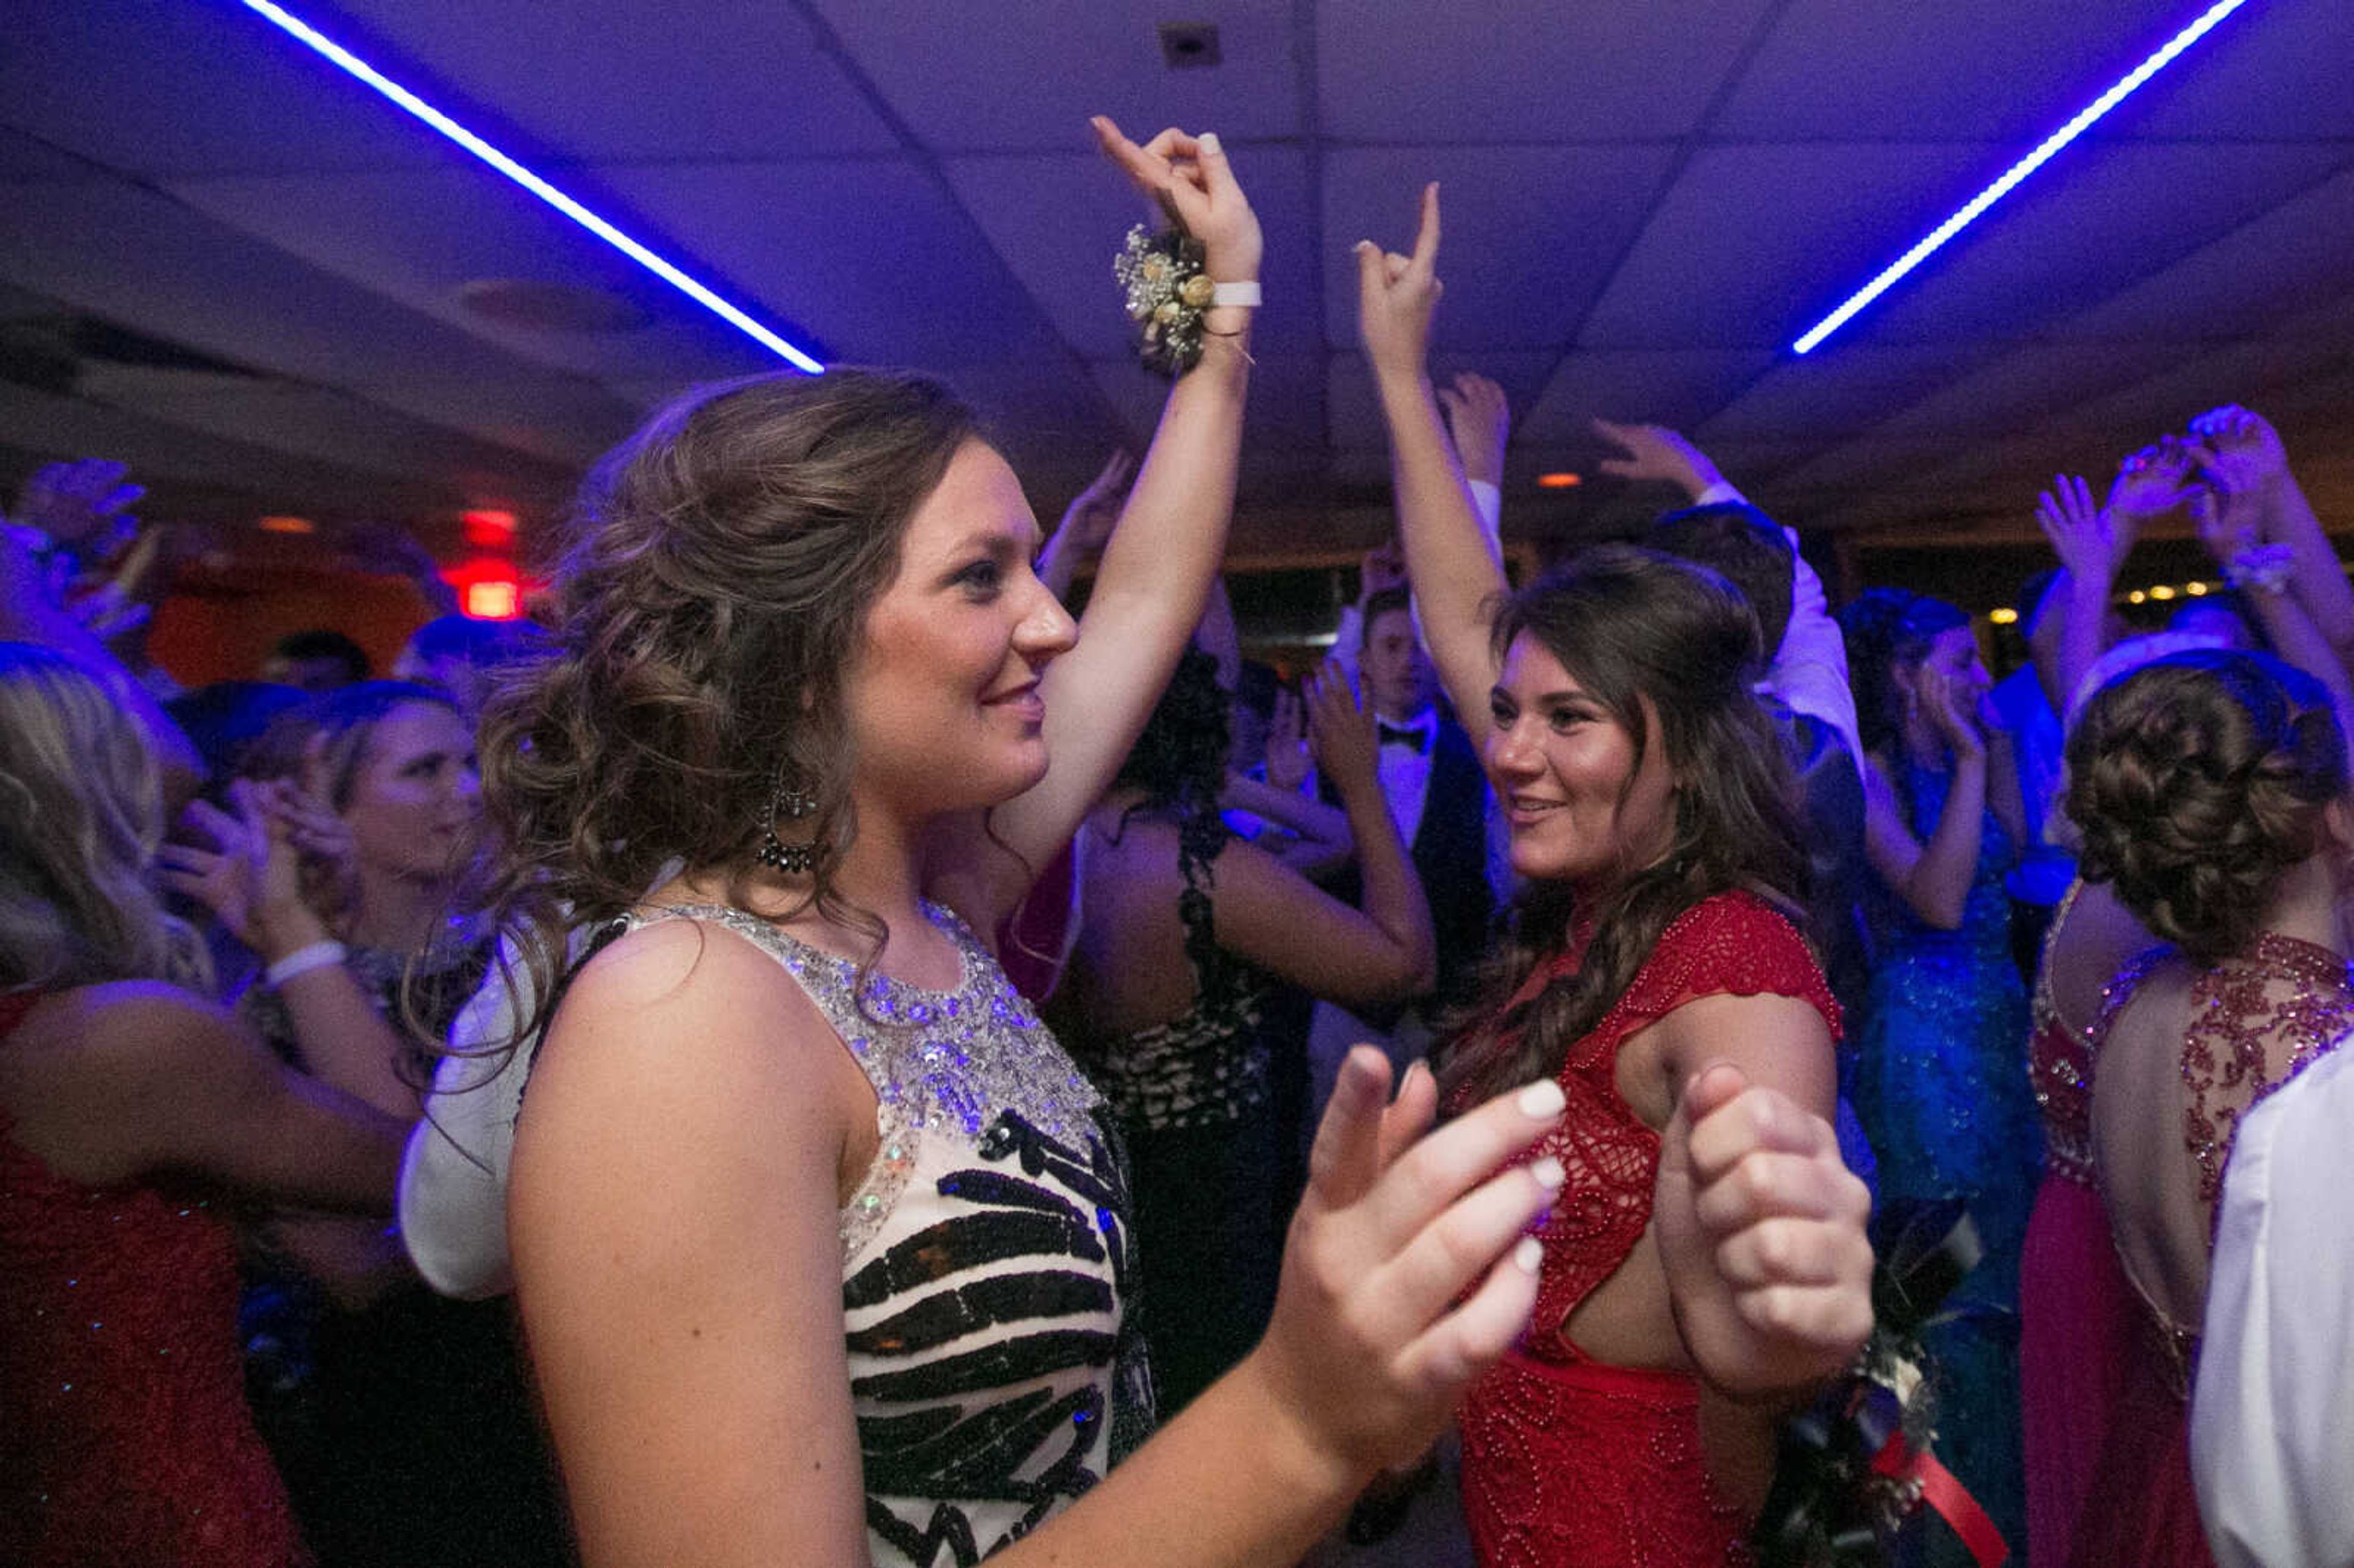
column 1809, row 672
column 2272, row 1448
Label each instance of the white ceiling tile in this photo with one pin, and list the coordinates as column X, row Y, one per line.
column 2026, row 263
column 2242, row 284
column 1679, row 387
column 161, row 89
column 2028, row 386
column 1528, row 234
column 148, row 262
column 162, row 455
column 1752, row 244
column 1136, row 396
column 913, row 181
column 871, row 257
column 1286, row 403
column 1027, row 74
column 567, row 420
column 1863, row 463
column 28, row 158
column 2246, row 373
column 1523, row 71
column 1825, row 397
column 1356, row 411
column 331, row 426
column 418, row 235
column 2275, row 70
column 1972, row 70
column 728, row 78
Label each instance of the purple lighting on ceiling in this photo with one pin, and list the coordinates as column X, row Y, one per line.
column 653, row 261
column 2123, row 87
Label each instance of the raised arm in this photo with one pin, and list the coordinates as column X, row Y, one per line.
column 1316, row 836
column 2228, row 518
column 150, row 1081
column 1086, row 523
column 1809, row 670
column 1932, row 877
column 2248, row 451
column 252, row 882
column 83, row 504
column 1384, row 952
column 1454, row 565
column 2091, row 542
column 1165, row 552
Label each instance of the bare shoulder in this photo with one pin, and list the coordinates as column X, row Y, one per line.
column 681, row 989
column 123, row 1025
column 102, row 1081
column 681, row 1036
column 1780, row 1042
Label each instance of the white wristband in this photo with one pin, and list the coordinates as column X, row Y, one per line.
column 1244, row 294
column 301, row 961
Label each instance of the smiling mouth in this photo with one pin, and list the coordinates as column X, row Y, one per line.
column 1024, row 699
column 1529, row 811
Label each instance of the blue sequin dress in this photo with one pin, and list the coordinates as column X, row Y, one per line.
column 1942, row 1089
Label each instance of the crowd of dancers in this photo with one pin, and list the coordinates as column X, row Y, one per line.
column 892, row 1073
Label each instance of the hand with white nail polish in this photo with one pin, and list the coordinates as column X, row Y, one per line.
column 1761, row 1227
column 1407, row 1272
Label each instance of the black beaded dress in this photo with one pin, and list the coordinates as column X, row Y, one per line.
column 1194, row 1103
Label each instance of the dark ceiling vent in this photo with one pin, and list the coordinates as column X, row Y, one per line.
column 47, row 353
column 1185, row 45
column 95, row 339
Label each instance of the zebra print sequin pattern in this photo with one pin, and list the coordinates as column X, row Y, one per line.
column 987, row 1269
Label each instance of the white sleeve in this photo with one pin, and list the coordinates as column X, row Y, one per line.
column 1489, row 500
column 1808, row 673
column 1348, row 641
column 453, row 1175
column 1809, row 669
column 2271, row 1449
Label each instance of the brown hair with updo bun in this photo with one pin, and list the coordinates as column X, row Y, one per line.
column 712, row 590
column 2198, row 779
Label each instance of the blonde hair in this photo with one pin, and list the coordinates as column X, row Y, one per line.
column 81, row 793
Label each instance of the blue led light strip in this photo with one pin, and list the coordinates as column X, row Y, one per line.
column 1977, row 206
column 660, row 266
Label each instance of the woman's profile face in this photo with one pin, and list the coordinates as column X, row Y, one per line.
column 415, row 792
column 944, row 708
column 1954, row 654
column 1563, row 766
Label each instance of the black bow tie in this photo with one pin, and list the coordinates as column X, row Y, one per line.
column 1415, row 736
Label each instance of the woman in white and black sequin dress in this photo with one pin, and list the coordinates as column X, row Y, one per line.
column 809, row 1275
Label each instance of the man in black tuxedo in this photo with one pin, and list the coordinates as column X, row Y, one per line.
column 1436, row 789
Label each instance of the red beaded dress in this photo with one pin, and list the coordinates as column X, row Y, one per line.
column 122, row 1413
column 2077, row 1317
column 2141, row 1507
column 1567, row 1460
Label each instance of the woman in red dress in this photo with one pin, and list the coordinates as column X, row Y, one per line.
column 127, row 1104
column 1654, row 974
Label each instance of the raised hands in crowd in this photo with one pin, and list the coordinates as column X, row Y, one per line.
column 2228, row 474
column 1087, row 523
column 1480, row 423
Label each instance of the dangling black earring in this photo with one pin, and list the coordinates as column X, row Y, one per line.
column 791, row 802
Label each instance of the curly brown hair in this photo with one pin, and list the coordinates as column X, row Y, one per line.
column 1643, row 635
column 2198, row 779
column 713, row 585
